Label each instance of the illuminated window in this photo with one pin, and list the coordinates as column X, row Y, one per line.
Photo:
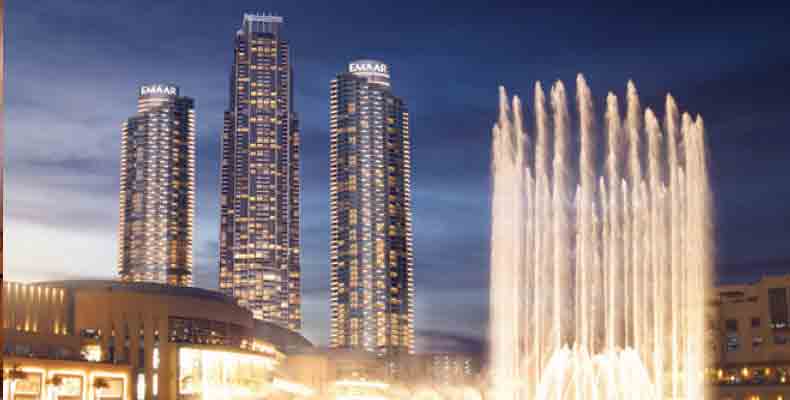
column 156, row 358
column 140, row 386
column 91, row 352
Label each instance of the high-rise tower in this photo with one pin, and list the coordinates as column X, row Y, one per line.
column 157, row 198
column 371, row 237
column 259, row 227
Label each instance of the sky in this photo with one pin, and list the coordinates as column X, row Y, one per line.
column 73, row 68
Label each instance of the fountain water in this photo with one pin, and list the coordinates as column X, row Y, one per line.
column 599, row 270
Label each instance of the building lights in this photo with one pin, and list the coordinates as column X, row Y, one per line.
column 157, row 153
column 45, row 382
column 370, row 211
column 91, row 352
column 260, row 177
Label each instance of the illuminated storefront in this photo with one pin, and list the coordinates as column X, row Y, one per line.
column 28, row 386
column 40, row 379
column 219, row 374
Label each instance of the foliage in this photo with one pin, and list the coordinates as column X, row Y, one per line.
column 55, row 381
column 15, row 373
column 100, row 383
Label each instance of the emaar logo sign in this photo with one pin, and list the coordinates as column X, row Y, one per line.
column 158, row 90
column 368, row 67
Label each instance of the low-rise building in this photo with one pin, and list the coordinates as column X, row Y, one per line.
column 750, row 325
column 173, row 342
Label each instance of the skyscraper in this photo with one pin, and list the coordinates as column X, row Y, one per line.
column 371, row 237
column 157, row 198
column 259, row 199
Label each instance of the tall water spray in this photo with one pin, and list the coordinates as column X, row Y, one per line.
column 599, row 262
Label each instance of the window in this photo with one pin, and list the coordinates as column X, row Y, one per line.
column 755, row 322
column 778, row 307
column 757, row 342
column 731, row 329
column 91, row 352
column 140, row 386
column 156, row 358
column 90, row 333
column 23, row 350
column 731, row 325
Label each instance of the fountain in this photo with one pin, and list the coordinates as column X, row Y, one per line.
column 599, row 267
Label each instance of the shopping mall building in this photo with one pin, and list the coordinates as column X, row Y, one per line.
column 91, row 340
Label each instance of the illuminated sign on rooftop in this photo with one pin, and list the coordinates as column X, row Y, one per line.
column 369, row 68
column 158, row 90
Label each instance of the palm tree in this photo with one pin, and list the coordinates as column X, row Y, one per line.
column 100, row 384
column 56, row 382
column 15, row 374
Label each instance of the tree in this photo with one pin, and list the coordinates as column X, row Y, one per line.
column 56, row 381
column 15, row 374
column 100, row 384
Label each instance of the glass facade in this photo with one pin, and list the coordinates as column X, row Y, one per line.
column 157, row 199
column 63, row 380
column 372, row 285
column 259, row 199
column 216, row 374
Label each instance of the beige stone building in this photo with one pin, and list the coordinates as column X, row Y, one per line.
column 750, row 325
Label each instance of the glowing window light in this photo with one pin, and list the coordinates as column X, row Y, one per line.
column 70, row 386
column 156, row 358
column 213, row 374
column 31, row 385
column 140, row 386
column 118, row 385
column 73, row 382
column 92, row 353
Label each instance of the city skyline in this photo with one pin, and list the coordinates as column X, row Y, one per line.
column 72, row 161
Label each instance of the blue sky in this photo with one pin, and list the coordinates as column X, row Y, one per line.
column 74, row 66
